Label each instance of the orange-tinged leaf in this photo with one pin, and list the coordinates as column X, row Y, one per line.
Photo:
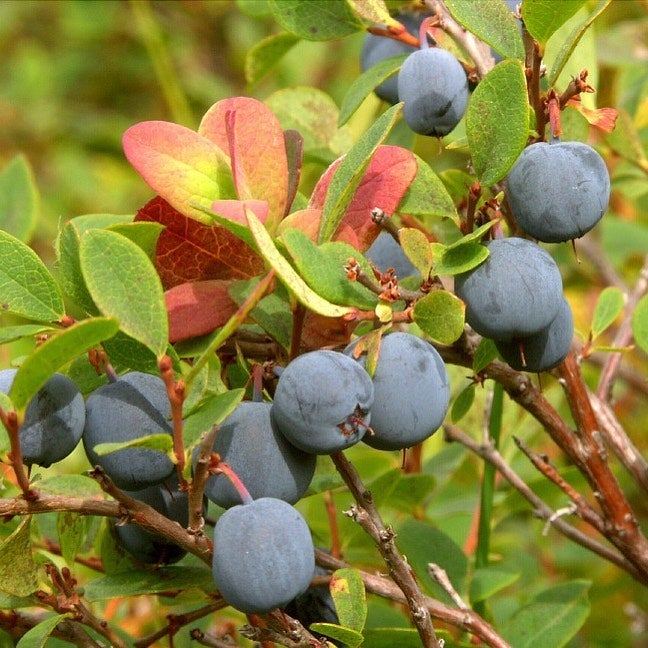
column 183, row 167
column 602, row 118
column 252, row 135
column 387, row 179
column 190, row 251
column 197, row 308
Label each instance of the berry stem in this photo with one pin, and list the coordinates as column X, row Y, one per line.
column 243, row 492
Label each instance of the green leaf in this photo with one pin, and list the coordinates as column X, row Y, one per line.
column 456, row 259
column 374, row 11
column 314, row 115
column 350, row 638
column 12, row 333
column 9, row 602
column 417, row 249
column 497, row 121
column 212, row 411
column 67, row 252
column 491, row 22
column 543, row 17
column 391, row 637
column 441, row 316
column 272, row 313
column 608, row 307
column 427, row 195
column 126, row 353
column 144, row 234
column 135, row 583
column 287, row 274
column 162, row 442
column 80, row 485
column 551, row 619
column 348, row 593
column 485, row 354
column 423, row 543
column 640, row 323
column 322, row 267
column 574, row 38
column 124, row 284
column 475, row 235
column 55, row 353
column 462, row 403
column 348, row 175
column 316, row 20
column 265, row 54
column 488, row 581
column 18, row 572
column 26, row 286
column 38, row 636
column 400, row 491
column 364, row 85
column 18, row 199
column 72, row 529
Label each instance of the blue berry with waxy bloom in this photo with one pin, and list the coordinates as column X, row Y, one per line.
column 322, row 402
column 54, row 419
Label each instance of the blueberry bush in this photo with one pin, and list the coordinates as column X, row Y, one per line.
column 324, row 323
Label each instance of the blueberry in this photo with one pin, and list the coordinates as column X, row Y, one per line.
column 411, row 392
column 515, row 292
column 267, row 464
column 152, row 548
column 315, row 605
column 54, row 419
column 263, row 555
column 385, row 253
column 322, row 402
column 558, row 191
column 378, row 48
column 434, row 87
column 133, row 406
column 543, row 350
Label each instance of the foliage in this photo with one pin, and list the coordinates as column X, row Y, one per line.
column 273, row 169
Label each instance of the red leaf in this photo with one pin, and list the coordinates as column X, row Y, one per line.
column 387, row 179
column 197, row 308
column 190, row 251
column 235, row 209
column 253, row 136
column 320, row 332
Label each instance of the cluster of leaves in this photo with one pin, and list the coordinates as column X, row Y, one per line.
column 236, row 253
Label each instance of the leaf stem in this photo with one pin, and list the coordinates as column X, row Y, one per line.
column 230, row 326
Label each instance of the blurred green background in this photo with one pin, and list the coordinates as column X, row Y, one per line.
column 76, row 74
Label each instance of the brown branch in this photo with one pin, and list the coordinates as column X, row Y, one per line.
column 200, row 477
column 467, row 620
column 616, row 437
column 588, row 453
column 148, row 518
column 583, row 508
column 68, row 599
column 541, row 509
column 177, row 621
column 367, row 515
column 478, row 51
column 203, row 639
column 176, row 393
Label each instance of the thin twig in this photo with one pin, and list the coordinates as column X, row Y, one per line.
column 467, row 620
column 583, row 507
column 367, row 515
column 541, row 509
